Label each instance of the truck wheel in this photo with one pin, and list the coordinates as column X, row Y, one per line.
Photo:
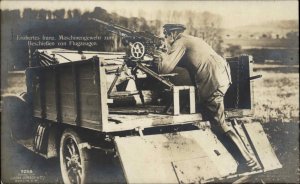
column 74, row 161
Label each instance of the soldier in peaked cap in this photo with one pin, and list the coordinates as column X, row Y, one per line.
column 173, row 27
column 209, row 72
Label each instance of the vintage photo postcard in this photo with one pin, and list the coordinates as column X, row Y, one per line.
column 149, row 91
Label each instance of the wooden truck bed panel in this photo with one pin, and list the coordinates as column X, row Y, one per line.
column 69, row 93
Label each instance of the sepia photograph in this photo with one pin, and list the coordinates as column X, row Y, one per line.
column 149, row 91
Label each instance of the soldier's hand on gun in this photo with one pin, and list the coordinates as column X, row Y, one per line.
column 162, row 50
column 157, row 53
column 164, row 47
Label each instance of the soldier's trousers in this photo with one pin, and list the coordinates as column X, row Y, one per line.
column 213, row 110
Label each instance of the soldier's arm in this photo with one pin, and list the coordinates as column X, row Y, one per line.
column 170, row 60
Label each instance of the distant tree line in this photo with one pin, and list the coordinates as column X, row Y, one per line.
column 40, row 22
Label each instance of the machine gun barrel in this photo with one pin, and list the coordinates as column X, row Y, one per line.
column 125, row 32
column 119, row 30
column 140, row 43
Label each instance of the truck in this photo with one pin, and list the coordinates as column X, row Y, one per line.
column 145, row 122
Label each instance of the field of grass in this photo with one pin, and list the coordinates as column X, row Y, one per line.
column 276, row 102
column 276, row 94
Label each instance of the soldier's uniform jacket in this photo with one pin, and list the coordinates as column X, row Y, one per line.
column 208, row 71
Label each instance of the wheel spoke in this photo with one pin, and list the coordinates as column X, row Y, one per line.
column 79, row 164
column 78, row 178
column 68, row 163
column 70, row 150
column 69, row 170
column 79, row 173
column 73, row 148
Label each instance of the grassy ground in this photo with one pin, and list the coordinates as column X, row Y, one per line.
column 276, row 94
column 277, row 104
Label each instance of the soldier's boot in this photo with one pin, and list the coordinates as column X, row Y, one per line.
column 250, row 162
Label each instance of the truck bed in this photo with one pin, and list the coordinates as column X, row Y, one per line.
column 75, row 93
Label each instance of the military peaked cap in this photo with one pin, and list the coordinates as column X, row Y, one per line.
column 174, row 27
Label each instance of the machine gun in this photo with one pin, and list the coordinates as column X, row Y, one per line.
column 141, row 43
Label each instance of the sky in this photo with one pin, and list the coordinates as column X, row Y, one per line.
column 234, row 13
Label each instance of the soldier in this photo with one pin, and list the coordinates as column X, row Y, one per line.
column 210, row 74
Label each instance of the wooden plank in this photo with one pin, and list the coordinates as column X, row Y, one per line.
column 176, row 102
column 186, row 151
column 223, row 161
column 262, row 146
column 235, row 113
column 89, row 101
column 68, row 114
column 101, row 81
column 50, row 101
column 67, row 106
column 243, row 179
column 86, row 70
column 192, row 100
column 88, row 95
column 76, row 94
column 66, row 93
column 68, row 98
column 188, row 170
column 251, row 73
column 123, row 93
column 87, row 85
column 66, row 81
column 68, row 120
column 129, row 122
column 91, row 114
column 42, row 84
column 87, row 123
column 57, row 95
column 36, row 96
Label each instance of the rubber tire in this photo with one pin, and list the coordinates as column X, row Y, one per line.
column 83, row 154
